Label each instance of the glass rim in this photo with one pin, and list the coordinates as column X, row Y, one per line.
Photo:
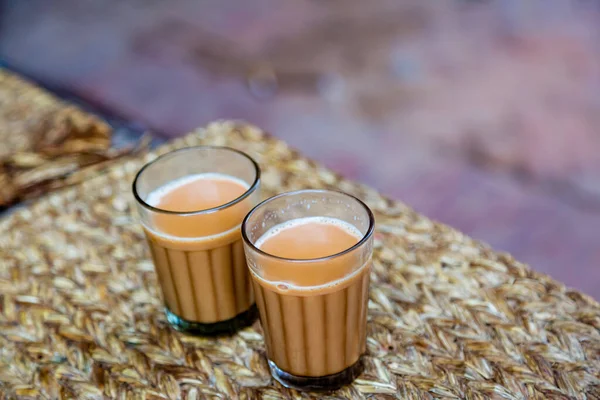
column 366, row 236
column 251, row 189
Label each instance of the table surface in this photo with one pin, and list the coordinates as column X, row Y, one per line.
column 449, row 317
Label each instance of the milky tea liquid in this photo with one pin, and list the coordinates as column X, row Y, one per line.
column 315, row 313
column 199, row 258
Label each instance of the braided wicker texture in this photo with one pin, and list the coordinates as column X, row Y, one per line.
column 45, row 143
column 81, row 315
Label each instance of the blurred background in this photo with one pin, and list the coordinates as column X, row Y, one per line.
column 484, row 115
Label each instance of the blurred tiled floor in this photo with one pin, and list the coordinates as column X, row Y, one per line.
column 484, row 115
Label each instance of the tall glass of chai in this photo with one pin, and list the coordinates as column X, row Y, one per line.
column 309, row 254
column 191, row 204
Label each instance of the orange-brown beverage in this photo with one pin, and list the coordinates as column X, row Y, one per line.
column 192, row 202
column 310, row 254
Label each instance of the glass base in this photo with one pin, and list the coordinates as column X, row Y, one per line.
column 227, row 327
column 317, row 383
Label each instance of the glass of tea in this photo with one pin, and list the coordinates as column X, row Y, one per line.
column 309, row 254
column 191, row 204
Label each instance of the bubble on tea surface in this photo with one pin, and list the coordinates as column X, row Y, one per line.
column 282, row 286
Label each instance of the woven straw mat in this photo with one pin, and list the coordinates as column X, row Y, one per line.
column 81, row 314
column 46, row 143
